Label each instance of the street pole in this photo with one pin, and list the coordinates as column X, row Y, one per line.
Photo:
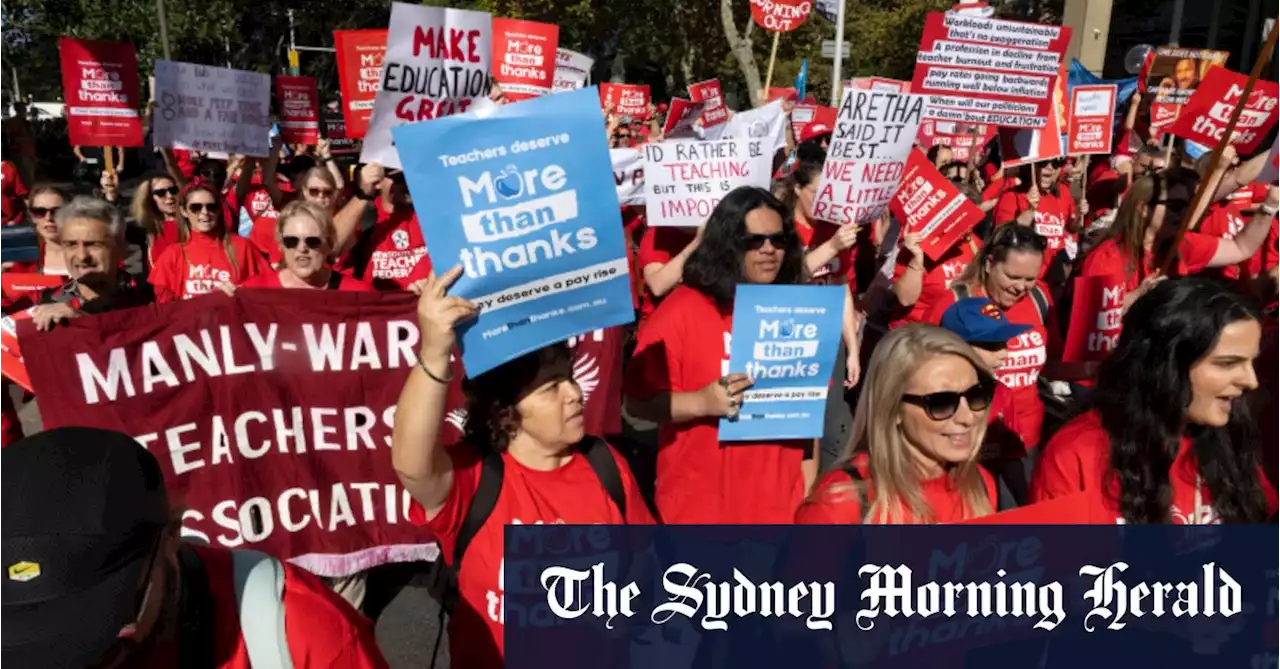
column 164, row 29
column 1175, row 28
column 835, row 69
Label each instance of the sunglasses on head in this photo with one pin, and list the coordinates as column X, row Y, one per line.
column 1012, row 235
column 778, row 240
column 291, row 242
column 943, row 405
column 164, row 192
column 41, row 212
column 201, row 207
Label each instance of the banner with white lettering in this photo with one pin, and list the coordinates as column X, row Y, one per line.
column 524, row 55
column 875, row 132
column 299, row 109
column 686, row 179
column 1092, row 117
column 211, row 109
column 437, row 64
column 359, row 55
column 523, row 200
column 708, row 91
column 930, row 205
column 1204, row 118
column 628, row 175
column 100, row 87
column 1097, row 307
column 573, row 71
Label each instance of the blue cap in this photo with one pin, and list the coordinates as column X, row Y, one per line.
column 979, row 321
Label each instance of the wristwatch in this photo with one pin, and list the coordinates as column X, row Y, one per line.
column 1269, row 210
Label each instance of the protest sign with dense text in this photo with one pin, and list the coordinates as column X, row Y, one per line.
column 1204, row 118
column 437, row 64
column 524, row 201
column 212, row 109
column 573, row 70
column 299, row 109
column 524, row 57
column 359, row 54
column 100, row 88
column 785, row 339
column 929, row 204
column 1093, row 109
column 686, row 179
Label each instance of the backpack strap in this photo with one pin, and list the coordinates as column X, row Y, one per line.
column 1042, row 304
column 259, row 583
column 606, row 469
column 482, row 504
column 335, row 280
column 195, row 611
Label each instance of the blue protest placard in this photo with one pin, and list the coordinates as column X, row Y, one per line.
column 524, row 200
column 785, row 338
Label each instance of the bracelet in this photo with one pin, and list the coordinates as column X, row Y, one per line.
column 1269, row 210
column 447, row 377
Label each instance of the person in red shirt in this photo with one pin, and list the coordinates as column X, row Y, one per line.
column 1224, row 218
column 305, row 235
column 917, row 435
column 662, row 256
column 12, row 193
column 155, row 210
column 678, row 376
column 1165, row 439
column 828, row 247
column 1046, row 205
column 918, row 282
column 208, row 256
column 378, row 230
column 90, row 536
column 525, row 417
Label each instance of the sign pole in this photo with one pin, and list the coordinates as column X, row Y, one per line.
column 109, row 157
column 773, row 55
column 1201, row 189
column 836, row 76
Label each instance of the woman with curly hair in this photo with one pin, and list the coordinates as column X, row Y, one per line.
column 679, row 376
column 525, row 427
column 1166, row 438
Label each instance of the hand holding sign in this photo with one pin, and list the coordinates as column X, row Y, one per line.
column 722, row 398
column 439, row 313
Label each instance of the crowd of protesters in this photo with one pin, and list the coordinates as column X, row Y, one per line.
column 952, row 370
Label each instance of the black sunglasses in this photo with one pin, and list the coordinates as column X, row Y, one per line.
column 41, row 212
column 943, row 405
column 291, row 242
column 201, row 207
column 162, row 192
column 778, row 240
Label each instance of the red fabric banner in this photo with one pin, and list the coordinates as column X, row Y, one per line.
column 359, row 55
column 931, row 205
column 627, row 99
column 1204, row 118
column 100, row 87
column 780, row 15
column 1093, row 110
column 299, row 109
column 1096, row 311
column 524, row 57
column 708, row 91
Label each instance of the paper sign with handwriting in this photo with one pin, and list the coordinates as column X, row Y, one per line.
column 212, row 109
column 573, row 71
column 685, row 179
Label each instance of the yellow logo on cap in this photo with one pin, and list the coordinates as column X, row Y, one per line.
column 23, row 571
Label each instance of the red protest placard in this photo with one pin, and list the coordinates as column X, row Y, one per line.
column 681, row 117
column 1080, row 508
column 299, row 109
column 929, row 204
column 1093, row 109
column 781, row 93
column 780, row 15
column 992, row 71
column 1204, row 118
column 524, row 57
column 100, row 87
column 16, row 285
column 1096, row 311
column 12, row 366
column 708, row 91
column 962, row 138
column 627, row 99
column 360, row 54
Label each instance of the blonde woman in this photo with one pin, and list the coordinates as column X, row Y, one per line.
column 155, row 208
column 304, row 237
column 913, row 455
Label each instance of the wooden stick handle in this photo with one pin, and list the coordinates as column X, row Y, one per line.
column 109, row 156
column 773, row 56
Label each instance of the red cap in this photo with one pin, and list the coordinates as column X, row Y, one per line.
column 823, row 122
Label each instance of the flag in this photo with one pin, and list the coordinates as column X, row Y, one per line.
column 803, row 77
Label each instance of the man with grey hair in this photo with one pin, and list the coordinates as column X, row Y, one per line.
column 91, row 234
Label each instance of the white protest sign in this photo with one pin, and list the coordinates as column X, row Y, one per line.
column 768, row 123
column 875, row 132
column 685, row 180
column 573, row 70
column 437, row 64
column 210, row 109
column 628, row 175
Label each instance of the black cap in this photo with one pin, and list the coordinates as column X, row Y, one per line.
column 82, row 510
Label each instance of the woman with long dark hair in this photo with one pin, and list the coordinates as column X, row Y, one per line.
column 155, row 209
column 208, row 256
column 1167, row 437
column 679, row 376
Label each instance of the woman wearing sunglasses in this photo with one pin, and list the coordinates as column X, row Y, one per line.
column 1005, row 270
column 43, row 203
column 155, row 209
column 678, row 376
column 208, row 256
column 1044, row 203
column 305, row 235
column 1166, row 437
column 917, row 433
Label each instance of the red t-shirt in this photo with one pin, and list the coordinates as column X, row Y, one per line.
column 394, row 247
column 836, row 502
column 1078, row 459
column 1028, row 353
column 839, row 270
column 938, row 275
column 1194, row 254
column 322, row 628
column 271, row 279
column 996, row 188
column 571, row 494
column 1249, row 196
column 1224, row 220
column 659, row 246
column 184, row 271
column 186, row 162
column 11, row 188
column 168, row 237
column 684, row 347
column 1052, row 216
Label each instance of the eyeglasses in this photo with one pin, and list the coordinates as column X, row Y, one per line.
column 41, row 212
column 320, row 192
column 201, row 207
column 778, row 240
column 291, row 242
column 943, row 405
column 165, row 192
